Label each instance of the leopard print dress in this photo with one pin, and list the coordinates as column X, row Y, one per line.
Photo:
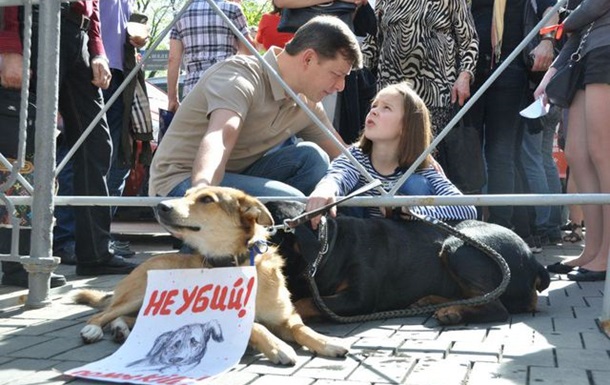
column 425, row 42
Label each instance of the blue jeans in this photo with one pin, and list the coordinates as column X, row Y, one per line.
column 552, row 178
column 292, row 171
column 542, row 178
column 63, row 231
column 496, row 115
column 414, row 185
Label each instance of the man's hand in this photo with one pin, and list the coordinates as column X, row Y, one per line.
column 101, row 72
column 138, row 41
column 11, row 67
column 172, row 105
column 461, row 88
column 543, row 56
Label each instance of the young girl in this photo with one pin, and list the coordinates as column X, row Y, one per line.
column 397, row 130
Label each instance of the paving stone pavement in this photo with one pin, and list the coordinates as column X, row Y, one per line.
column 559, row 344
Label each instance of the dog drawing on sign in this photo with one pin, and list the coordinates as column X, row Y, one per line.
column 226, row 227
column 181, row 349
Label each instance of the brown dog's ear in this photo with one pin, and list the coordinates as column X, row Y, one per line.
column 253, row 208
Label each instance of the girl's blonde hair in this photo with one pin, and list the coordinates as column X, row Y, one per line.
column 416, row 134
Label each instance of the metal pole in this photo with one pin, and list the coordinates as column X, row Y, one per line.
column 359, row 201
column 40, row 264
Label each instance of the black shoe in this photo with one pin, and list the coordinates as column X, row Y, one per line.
column 20, row 278
column 533, row 242
column 122, row 249
column 554, row 237
column 545, row 241
column 115, row 265
column 559, row 268
column 67, row 255
column 585, row 275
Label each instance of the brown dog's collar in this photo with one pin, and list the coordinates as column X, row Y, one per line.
column 256, row 248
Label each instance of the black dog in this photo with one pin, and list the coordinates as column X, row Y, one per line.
column 376, row 265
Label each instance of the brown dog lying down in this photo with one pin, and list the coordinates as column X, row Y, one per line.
column 222, row 224
column 377, row 264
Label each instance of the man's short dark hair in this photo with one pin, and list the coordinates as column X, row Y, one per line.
column 329, row 37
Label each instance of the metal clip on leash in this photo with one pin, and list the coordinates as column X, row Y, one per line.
column 290, row 224
column 294, row 222
column 323, row 238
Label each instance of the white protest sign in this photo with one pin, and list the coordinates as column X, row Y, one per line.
column 193, row 324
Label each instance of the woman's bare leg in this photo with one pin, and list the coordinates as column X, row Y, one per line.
column 585, row 176
column 597, row 116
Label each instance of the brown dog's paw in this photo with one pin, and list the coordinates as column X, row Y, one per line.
column 119, row 330
column 335, row 347
column 282, row 354
column 450, row 315
column 91, row 333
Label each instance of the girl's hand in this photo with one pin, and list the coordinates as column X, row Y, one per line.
column 540, row 90
column 321, row 196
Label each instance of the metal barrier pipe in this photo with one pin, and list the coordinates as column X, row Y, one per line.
column 7, row 3
column 403, row 200
column 40, row 264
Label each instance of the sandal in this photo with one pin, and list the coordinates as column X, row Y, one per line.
column 570, row 226
column 575, row 235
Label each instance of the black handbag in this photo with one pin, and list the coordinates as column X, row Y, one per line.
column 564, row 84
column 293, row 18
column 461, row 156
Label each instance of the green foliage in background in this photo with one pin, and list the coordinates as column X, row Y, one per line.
column 254, row 10
column 161, row 13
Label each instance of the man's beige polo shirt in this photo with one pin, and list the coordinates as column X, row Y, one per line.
column 239, row 84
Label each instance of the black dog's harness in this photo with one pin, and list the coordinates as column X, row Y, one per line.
column 327, row 244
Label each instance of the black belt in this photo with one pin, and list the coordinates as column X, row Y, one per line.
column 82, row 21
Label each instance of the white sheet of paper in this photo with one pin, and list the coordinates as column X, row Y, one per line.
column 193, row 325
column 535, row 110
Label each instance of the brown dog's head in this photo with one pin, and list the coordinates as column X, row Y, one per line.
column 219, row 222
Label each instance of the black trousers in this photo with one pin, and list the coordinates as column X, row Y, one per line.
column 79, row 103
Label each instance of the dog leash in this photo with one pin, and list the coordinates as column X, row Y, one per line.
column 411, row 311
column 298, row 220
